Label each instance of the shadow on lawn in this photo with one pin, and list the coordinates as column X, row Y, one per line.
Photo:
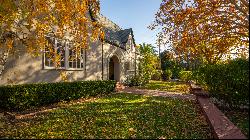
column 116, row 116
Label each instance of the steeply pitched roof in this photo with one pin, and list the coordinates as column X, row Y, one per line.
column 113, row 33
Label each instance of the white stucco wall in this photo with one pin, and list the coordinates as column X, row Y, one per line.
column 22, row 68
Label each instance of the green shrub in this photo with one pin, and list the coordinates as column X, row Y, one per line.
column 185, row 75
column 227, row 82
column 157, row 75
column 176, row 70
column 167, row 74
column 21, row 97
column 135, row 81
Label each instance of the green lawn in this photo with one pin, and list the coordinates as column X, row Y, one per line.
column 167, row 86
column 116, row 116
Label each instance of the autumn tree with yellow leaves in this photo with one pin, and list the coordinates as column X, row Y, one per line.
column 208, row 29
column 28, row 22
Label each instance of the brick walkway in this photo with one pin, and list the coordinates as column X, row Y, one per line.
column 158, row 93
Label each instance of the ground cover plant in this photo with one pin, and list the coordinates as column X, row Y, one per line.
column 120, row 115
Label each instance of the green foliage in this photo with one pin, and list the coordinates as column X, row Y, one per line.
column 116, row 116
column 149, row 62
column 167, row 74
column 157, row 75
column 177, row 68
column 168, row 62
column 20, row 97
column 135, row 81
column 227, row 82
column 185, row 75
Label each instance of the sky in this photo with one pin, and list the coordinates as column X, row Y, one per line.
column 135, row 14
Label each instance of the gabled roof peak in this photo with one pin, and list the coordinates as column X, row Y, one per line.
column 108, row 23
column 114, row 34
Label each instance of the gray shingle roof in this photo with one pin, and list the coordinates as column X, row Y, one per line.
column 113, row 33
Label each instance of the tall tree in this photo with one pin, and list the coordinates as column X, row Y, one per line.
column 149, row 61
column 204, row 28
column 166, row 59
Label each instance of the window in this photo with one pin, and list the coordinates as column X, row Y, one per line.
column 48, row 56
column 132, row 63
column 129, row 44
column 75, row 61
column 60, row 50
column 65, row 52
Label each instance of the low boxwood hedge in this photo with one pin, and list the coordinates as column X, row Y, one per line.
column 21, row 97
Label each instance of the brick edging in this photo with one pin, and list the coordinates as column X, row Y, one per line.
column 222, row 127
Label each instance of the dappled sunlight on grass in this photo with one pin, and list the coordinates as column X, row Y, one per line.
column 137, row 101
column 117, row 116
column 167, row 86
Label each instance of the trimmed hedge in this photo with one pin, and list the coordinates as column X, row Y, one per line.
column 227, row 82
column 21, row 97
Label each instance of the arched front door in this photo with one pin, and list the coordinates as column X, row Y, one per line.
column 114, row 68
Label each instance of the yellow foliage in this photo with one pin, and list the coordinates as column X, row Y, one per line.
column 208, row 28
column 28, row 21
column 37, row 18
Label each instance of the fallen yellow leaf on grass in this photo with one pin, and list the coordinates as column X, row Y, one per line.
column 131, row 130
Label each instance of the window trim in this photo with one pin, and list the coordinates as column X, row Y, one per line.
column 66, row 57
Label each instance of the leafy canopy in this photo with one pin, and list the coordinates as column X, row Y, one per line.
column 204, row 28
column 29, row 21
column 149, row 61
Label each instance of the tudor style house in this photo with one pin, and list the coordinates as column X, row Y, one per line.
column 116, row 59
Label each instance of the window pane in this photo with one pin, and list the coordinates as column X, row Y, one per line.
column 47, row 57
column 47, row 62
column 70, row 64
column 62, row 64
column 76, row 61
column 59, row 49
column 74, row 64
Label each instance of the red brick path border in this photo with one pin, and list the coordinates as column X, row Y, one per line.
column 222, row 127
